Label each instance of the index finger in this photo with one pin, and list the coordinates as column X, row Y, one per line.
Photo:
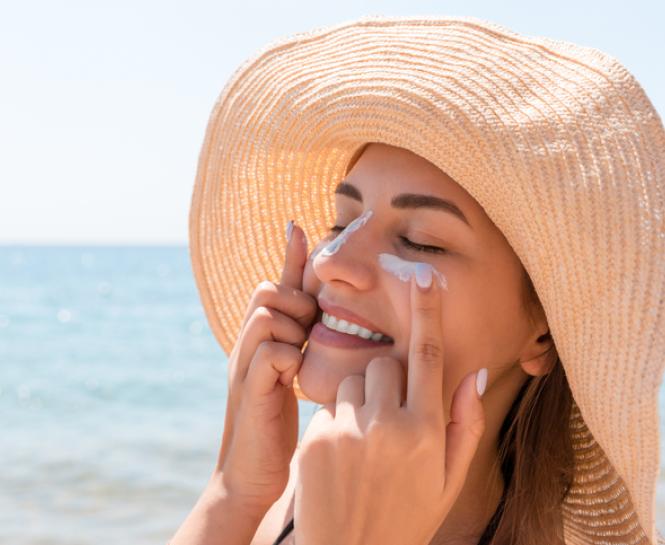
column 425, row 360
column 295, row 257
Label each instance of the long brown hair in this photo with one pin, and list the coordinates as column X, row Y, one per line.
column 536, row 455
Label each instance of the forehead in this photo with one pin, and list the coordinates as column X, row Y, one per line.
column 389, row 170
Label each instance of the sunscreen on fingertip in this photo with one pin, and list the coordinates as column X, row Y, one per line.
column 404, row 269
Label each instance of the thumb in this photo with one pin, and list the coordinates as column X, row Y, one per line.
column 295, row 256
column 464, row 431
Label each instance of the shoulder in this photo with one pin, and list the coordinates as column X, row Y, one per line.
column 280, row 513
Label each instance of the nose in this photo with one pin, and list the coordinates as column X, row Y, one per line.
column 348, row 257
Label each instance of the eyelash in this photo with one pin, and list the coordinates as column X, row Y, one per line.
column 409, row 244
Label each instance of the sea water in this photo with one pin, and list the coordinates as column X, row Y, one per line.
column 112, row 395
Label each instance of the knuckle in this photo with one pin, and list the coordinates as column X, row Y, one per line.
column 266, row 286
column 426, row 311
column 305, row 306
column 374, row 365
column 293, row 353
column 263, row 315
column 312, row 306
column 391, row 363
column 429, row 351
column 347, row 437
column 264, row 350
column 301, row 337
column 378, row 430
column 283, row 356
column 312, row 450
column 352, row 381
column 380, row 361
column 384, row 366
column 277, row 351
column 263, row 293
column 477, row 428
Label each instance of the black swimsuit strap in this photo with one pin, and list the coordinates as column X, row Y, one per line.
column 485, row 539
column 284, row 533
column 493, row 524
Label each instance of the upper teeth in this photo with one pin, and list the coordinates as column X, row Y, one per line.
column 344, row 326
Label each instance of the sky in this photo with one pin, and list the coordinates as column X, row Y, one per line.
column 104, row 105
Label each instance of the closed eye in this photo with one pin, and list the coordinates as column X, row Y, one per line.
column 407, row 243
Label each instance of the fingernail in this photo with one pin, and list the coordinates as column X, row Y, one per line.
column 289, row 230
column 481, row 381
column 423, row 275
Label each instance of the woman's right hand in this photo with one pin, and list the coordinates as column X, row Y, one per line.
column 261, row 424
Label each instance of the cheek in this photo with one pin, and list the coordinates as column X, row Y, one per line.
column 479, row 329
column 469, row 327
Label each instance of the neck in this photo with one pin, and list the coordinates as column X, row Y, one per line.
column 483, row 487
column 468, row 518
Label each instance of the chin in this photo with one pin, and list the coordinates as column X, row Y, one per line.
column 318, row 378
column 323, row 369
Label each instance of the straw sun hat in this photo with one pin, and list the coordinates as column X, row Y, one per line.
column 557, row 142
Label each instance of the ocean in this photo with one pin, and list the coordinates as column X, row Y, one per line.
column 112, row 395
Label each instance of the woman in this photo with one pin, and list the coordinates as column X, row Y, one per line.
column 490, row 317
column 476, row 411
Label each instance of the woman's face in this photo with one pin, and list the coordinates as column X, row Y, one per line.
column 484, row 322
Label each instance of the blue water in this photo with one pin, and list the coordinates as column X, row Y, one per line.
column 112, row 395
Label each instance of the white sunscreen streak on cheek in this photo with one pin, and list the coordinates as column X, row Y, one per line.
column 340, row 239
column 404, row 269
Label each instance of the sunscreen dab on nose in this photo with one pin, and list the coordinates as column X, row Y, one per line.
column 403, row 269
column 340, row 239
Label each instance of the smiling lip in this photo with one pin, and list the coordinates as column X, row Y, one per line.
column 344, row 314
column 322, row 334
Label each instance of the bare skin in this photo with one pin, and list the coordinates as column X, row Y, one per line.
column 484, row 323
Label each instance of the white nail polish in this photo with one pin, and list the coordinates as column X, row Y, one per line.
column 423, row 274
column 289, row 230
column 481, row 381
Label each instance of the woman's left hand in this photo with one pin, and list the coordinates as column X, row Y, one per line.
column 374, row 470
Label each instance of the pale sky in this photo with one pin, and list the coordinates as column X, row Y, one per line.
column 104, row 105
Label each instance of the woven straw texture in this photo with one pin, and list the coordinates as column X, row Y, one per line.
column 557, row 142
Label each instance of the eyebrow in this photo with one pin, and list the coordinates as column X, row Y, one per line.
column 408, row 200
